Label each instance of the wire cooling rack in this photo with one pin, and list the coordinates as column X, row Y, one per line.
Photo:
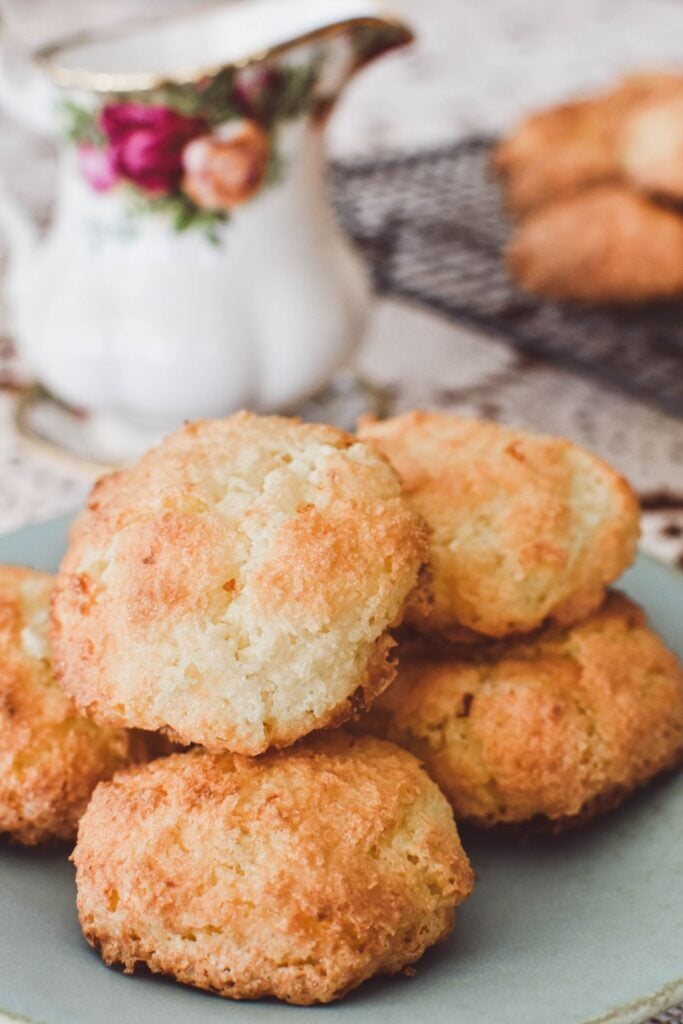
column 433, row 228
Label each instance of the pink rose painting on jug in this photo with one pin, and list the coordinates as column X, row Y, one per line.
column 192, row 152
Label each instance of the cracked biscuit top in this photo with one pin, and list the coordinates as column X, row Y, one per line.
column 525, row 528
column 559, row 726
column 236, row 585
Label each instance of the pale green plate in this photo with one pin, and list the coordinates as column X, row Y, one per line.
column 584, row 928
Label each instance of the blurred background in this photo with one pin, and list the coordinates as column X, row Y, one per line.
column 472, row 344
column 477, row 66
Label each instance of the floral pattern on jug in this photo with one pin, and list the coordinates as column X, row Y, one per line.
column 196, row 151
column 193, row 152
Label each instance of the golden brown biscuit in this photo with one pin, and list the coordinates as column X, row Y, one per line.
column 555, row 153
column 558, row 152
column 607, row 244
column 651, row 147
column 298, row 874
column 560, row 726
column 525, row 527
column 235, row 587
column 51, row 758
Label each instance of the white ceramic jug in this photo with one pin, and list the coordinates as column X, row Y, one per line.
column 193, row 265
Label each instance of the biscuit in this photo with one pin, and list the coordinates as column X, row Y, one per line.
column 555, row 153
column 557, row 727
column 606, row 245
column 651, row 148
column 525, row 528
column 560, row 151
column 236, row 586
column 51, row 758
column 298, row 874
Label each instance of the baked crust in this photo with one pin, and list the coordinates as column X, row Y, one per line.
column 651, row 147
column 235, row 587
column 559, row 727
column 524, row 528
column 606, row 244
column 51, row 758
column 560, row 151
column 298, row 874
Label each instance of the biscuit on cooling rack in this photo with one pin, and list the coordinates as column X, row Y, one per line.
column 608, row 244
column 651, row 147
column 560, row 151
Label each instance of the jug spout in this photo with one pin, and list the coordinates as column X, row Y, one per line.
column 348, row 45
column 372, row 36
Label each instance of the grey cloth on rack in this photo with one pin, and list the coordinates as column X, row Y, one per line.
column 434, row 230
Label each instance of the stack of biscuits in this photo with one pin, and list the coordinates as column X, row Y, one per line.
column 345, row 640
column 596, row 186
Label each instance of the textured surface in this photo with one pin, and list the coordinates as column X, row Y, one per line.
column 525, row 528
column 51, row 758
column 559, row 726
column 651, row 149
column 556, row 152
column 298, row 875
column 567, row 931
column 605, row 244
column 236, row 585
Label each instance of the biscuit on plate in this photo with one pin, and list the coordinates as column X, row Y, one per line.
column 608, row 244
column 560, row 151
column 559, row 726
column 235, row 587
column 651, row 147
column 298, row 874
column 525, row 528
column 51, row 758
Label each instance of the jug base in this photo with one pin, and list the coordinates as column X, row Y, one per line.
column 90, row 444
